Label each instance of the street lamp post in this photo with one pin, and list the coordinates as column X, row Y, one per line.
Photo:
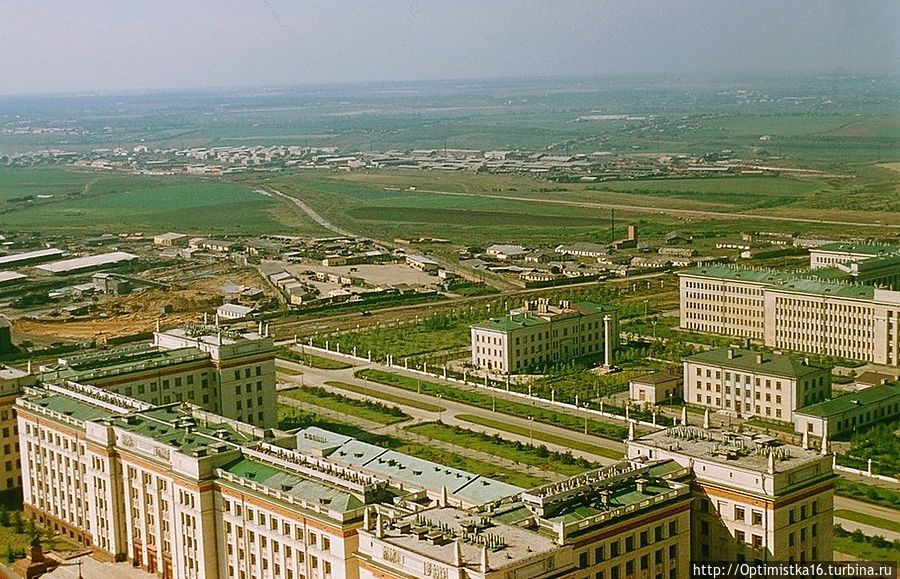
column 531, row 430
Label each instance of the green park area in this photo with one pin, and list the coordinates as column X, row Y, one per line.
column 865, row 548
column 387, row 397
column 502, row 406
column 868, row 493
column 540, row 436
column 563, row 464
column 320, row 362
column 364, row 409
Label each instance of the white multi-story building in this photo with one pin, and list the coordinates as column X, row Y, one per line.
column 755, row 499
column 184, row 493
column 754, row 383
column 540, row 334
column 788, row 312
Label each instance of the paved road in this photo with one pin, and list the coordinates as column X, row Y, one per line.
column 312, row 213
column 316, row 377
column 867, row 509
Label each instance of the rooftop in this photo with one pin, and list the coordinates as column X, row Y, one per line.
column 661, row 376
column 468, row 487
column 522, row 319
column 87, row 262
column 783, row 281
column 435, row 533
column 869, row 249
column 740, row 451
column 29, row 255
column 854, row 401
column 6, row 276
column 756, row 361
column 294, row 485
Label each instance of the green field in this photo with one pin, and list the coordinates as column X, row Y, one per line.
column 533, row 211
column 541, row 436
column 364, row 409
column 400, row 400
column 520, row 453
column 131, row 203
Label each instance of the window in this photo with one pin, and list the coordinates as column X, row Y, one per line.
column 739, row 513
column 757, row 518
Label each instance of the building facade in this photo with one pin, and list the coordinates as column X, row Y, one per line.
column 788, row 312
column 12, row 382
column 754, row 499
column 753, row 383
column 843, row 415
column 626, row 520
column 656, row 388
column 541, row 334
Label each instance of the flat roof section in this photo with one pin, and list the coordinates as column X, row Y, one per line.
column 853, row 401
column 79, row 263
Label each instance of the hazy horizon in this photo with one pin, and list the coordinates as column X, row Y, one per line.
column 105, row 46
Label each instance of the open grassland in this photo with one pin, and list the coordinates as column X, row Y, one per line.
column 469, row 208
column 871, row 520
column 134, row 203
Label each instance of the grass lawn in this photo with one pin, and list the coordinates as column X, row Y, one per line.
column 371, row 411
column 542, row 436
column 313, row 361
column 865, row 551
column 886, row 524
column 289, row 371
column 498, row 447
column 21, row 541
column 387, row 397
column 568, row 421
column 868, row 493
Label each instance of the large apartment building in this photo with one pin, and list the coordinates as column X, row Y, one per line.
column 789, row 312
column 626, row 520
column 224, row 371
column 540, row 334
column 754, row 499
column 754, row 383
column 181, row 492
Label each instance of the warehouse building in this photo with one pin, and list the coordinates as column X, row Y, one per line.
column 80, row 264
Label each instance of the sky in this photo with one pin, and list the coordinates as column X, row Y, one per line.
column 49, row 46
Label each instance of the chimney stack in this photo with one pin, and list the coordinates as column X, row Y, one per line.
column 759, row 358
column 730, row 353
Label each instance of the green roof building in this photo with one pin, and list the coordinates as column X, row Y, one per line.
column 752, row 383
column 540, row 334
